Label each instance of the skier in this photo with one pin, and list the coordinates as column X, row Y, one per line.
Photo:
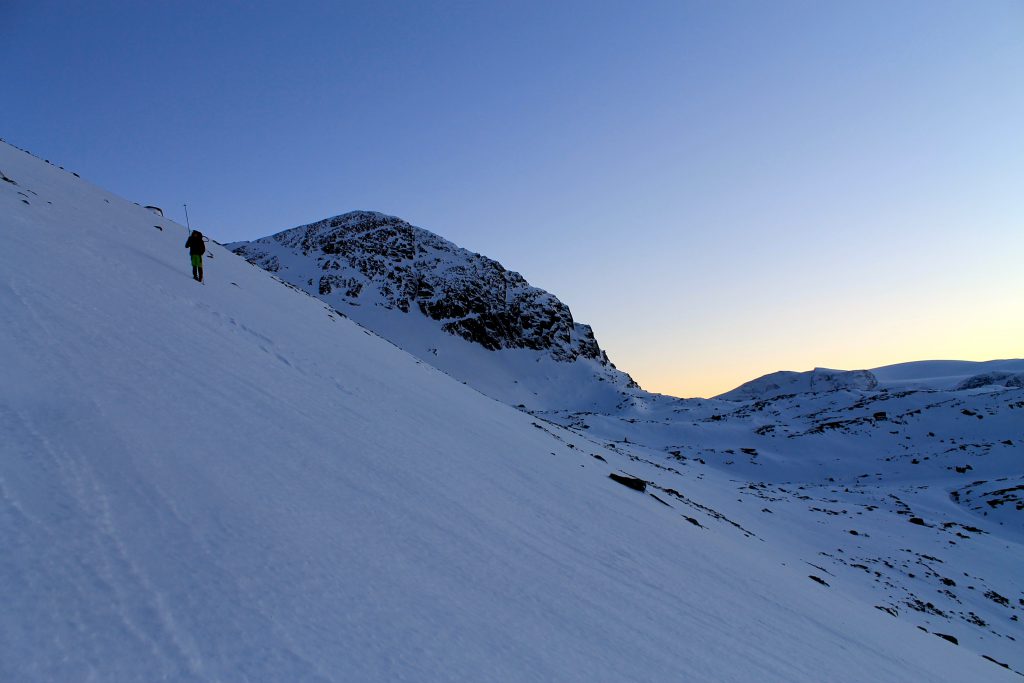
column 196, row 249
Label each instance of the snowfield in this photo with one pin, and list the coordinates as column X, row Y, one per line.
column 234, row 482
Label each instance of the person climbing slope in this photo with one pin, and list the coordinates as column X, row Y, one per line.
column 196, row 249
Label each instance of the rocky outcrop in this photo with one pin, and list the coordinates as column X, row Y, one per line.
column 1012, row 380
column 630, row 482
column 371, row 259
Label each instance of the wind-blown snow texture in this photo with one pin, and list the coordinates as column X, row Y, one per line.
column 230, row 482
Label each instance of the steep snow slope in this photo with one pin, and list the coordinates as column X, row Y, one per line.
column 461, row 312
column 231, row 482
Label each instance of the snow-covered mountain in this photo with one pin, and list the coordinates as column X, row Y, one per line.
column 788, row 382
column 462, row 312
column 952, row 375
column 831, row 436
column 231, row 481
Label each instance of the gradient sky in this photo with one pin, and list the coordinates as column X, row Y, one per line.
column 722, row 189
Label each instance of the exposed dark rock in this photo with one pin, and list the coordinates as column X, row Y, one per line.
column 919, row 605
column 950, row 638
column 997, row 598
column 631, row 482
column 820, row 580
column 1002, row 379
column 996, row 661
column 975, row 619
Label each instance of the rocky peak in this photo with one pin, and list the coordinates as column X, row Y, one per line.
column 365, row 258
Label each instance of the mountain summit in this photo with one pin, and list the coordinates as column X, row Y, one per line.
column 407, row 284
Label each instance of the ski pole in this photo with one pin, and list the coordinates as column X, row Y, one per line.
column 187, row 223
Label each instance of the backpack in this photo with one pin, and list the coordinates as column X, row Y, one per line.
column 195, row 243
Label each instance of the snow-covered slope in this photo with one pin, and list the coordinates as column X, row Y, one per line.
column 910, row 500
column 948, row 374
column 788, row 382
column 461, row 312
column 230, row 482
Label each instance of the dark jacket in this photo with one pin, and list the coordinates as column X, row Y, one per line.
column 194, row 244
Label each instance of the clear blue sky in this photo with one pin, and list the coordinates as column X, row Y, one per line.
column 722, row 189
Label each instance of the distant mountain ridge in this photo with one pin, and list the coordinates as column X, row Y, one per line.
column 370, row 265
column 789, row 382
column 948, row 374
column 942, row 375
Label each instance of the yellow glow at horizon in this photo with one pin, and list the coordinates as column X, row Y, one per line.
column 978, row 332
